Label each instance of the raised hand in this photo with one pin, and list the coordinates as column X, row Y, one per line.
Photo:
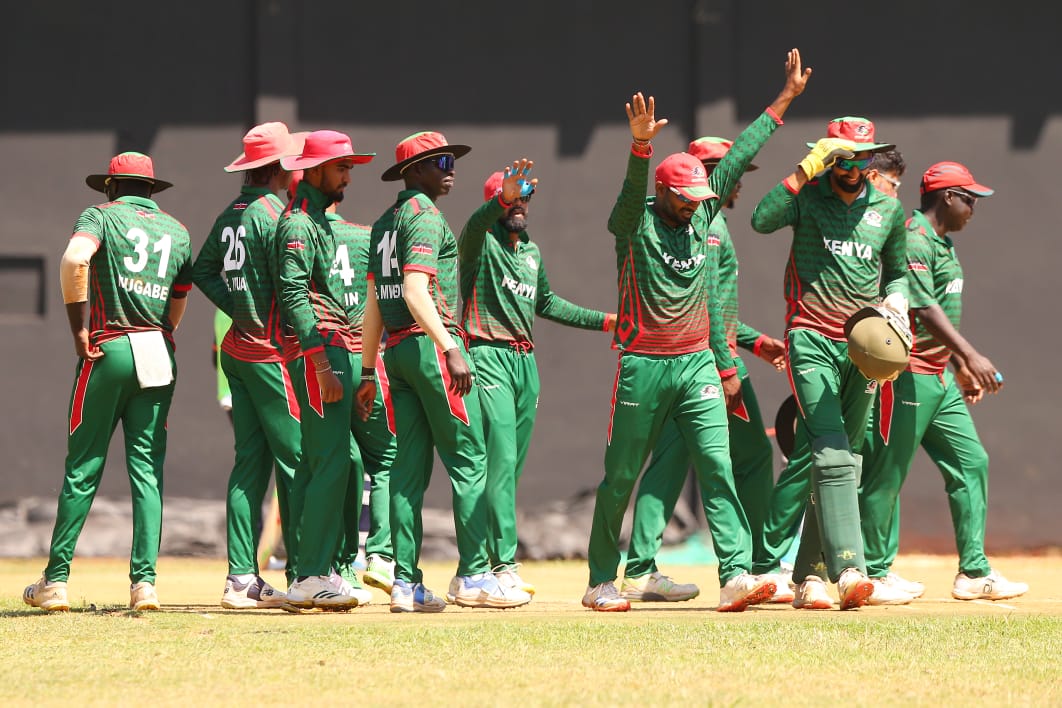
column 796, row 77
column 642, row 117
column 514, row 178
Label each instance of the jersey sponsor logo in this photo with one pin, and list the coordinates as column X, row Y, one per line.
column 138, row 286
column 916, row 266
column 712, row 241
column 391, row 291
column 422, row 248
column 805, row 372
column 685, row 264
column 709, row 391
column 954, row 287
column 531, row 263
column 911, row 403
column 848, row 249
column 873, row 218
column 519, row 289
column 872, row 386
column 491, row 387
column 632, row 404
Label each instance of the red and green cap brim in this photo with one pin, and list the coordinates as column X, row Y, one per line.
column 697, row 193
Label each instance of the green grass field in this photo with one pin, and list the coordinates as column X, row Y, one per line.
column 552, row 652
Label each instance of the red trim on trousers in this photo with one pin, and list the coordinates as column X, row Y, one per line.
column 289, row 392
column 887, row 399
column 455, row 402
column 313, row 388
column 77, row 408
column 385, row 393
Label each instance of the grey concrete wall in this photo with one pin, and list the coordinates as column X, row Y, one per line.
column 183, row 82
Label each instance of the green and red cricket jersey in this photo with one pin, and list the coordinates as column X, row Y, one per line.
column 413, row 235
column 738, row 334
column 234, row 270
column 144, row 255
column 843, row 257
column 668, row 302
column 934, row 277
column 306, row 247
column 504, row 284
column 349, row 270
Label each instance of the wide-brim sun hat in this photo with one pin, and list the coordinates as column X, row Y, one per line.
column 710, row 150
column 265, row 144
column 421, row 146
column 323, row 146
column 128, row 165
column 857, row 129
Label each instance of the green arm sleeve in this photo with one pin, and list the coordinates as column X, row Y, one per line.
column 297, row 245
column 730, row 169
column 630, row 206
column 470, row 243
column 777, row 209
column 206, row 273
column 747, row 336
column 724, row 361
column 894, row 259
column 553, row 307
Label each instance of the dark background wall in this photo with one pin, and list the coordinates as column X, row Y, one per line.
column 975, row 82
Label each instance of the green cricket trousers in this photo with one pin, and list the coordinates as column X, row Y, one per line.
column 106, row 392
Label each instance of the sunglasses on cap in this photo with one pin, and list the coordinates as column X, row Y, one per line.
column 858, row 164
column 445, row 162
column 681, row 196
column 967, row 198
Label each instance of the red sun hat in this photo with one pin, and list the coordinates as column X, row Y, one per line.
column 420, row 146
column 685, row 173
column 265, row 144
column 857, row 129
column 324, row 146
column 710, row 150
column 952, row 174
column 128, row 165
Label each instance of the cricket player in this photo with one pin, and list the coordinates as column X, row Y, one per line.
column 413, row 269
column 847, row 252
column 751, row 451
column 925, row 405
column 503, row 286
column 234, row 270
column 670, row 322
column 133, row 262
column 313, row 307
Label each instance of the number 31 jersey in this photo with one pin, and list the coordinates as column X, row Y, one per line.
column 144, row 256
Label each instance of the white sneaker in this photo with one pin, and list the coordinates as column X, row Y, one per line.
column 744, row 590
column 854, row 588
column 483, row 590
column 657, row 587
column 886, row 593
column 50, row 597
column 254, row 595
column 812, row 595
column 345, row 582
column 379, row 572
column 414, row 597
column 318, row 591
column 783, row 592
column 605, row 598
column 142, row 597
column 509, row 579
column 912, row 588
column 991, row 587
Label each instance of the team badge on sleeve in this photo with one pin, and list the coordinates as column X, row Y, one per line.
column 423, row 249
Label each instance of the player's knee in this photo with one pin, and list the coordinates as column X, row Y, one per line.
column 832, row 460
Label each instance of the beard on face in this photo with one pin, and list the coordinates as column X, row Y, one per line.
column 849, row 187
column 336, row 197
column 515, row 221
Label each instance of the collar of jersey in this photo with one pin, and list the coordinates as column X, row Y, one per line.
column 138, row 201
column 921, row 220
column 316, row 198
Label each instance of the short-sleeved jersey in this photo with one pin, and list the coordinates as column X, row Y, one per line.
column 413, row 235
column 144, row 256
column 843, row 257
column 349, row 270
column 667, row 300
column 934, row 277
column 306, row 246
column 235, row 270
column 738, row 334
column 504, row 283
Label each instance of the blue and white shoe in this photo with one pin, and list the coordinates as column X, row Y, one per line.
column 484, row 590
column 414, row 597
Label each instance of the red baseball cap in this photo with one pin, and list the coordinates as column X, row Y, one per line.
column 858, row 130
column 684, row 173
column 128, row 165
column 710, row 150
column 324, row 146
column 420, row 146
column 267, row 143
column 952, row 174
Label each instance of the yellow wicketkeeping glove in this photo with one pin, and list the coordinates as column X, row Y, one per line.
column 824, row 154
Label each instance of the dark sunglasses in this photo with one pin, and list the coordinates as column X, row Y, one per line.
column 445, row 163
column 967, row 199
column 525, row 198
column 858, row 164
column 682, row 197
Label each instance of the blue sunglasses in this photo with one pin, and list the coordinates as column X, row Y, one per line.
column 444, row 163
column 858, row 164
